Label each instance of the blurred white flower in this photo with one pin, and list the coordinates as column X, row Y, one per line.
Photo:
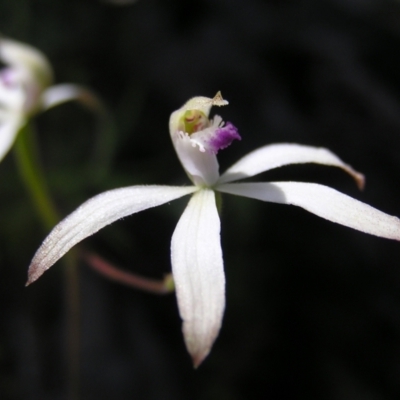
column 25, row 89
column 196, row 253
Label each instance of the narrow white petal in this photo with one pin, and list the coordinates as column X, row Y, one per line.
column 323, row 201
column 278, row 155
column 59, row 94
column 198, row 272
column 95, row 214
column 9, row 129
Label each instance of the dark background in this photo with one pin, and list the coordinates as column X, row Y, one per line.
column 313, row 308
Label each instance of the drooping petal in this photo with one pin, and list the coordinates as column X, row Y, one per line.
column 59, row 94
column 197, row 268
column 278, row 155
column 104, row 145
column 323, row 201
column 95, row 214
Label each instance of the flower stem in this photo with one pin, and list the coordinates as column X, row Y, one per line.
column 113, row 273
column 32, row 176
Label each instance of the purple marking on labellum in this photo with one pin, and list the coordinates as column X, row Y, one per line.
column 8, row 77
column 223, row 137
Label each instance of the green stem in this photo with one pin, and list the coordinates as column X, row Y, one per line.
column 32, row 177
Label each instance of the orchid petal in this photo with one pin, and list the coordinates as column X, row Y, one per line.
column 103, row 147
column 8, row 133
column 278, row 155
column 198, row 272
column 323, row 201
column 12, row 94
column 59, row 94
column 28, row 60
column 95, row 214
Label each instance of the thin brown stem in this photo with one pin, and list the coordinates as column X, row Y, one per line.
column 104, row 268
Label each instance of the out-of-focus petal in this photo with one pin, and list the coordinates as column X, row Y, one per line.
column 278, row 155
column 95, row 214
column 9, row 129
column 26, row 59
column 197, row 268
column 104, row 144
column 59, row 94
column 323, row 201
column 12, row 93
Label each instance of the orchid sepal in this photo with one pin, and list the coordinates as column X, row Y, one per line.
column 323, row 201
column 96, row 213
column 197, row 267
column 278, row 155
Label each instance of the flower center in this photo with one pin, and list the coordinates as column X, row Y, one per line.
column 193, row 121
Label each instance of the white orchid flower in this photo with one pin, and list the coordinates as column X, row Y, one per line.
column 25, row 89
column 196, row 253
